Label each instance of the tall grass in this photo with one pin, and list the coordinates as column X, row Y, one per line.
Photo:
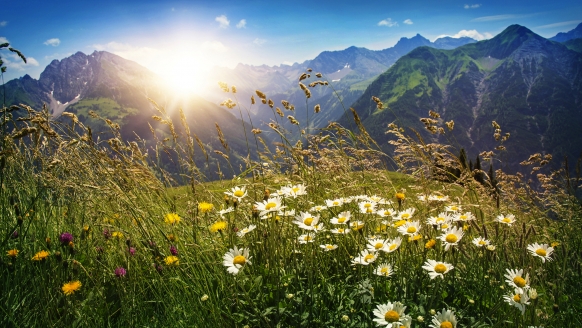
column 149, row 253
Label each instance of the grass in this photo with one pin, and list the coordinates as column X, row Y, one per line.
column 150, row 251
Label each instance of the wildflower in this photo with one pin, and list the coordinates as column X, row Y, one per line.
column 436, row 269
column 106, row 233
column 400, row 196
column 356, row 225
column 393, row 244
column 306, row 221
column 451, row 237
column 40, row 256
column 286, row 213
column 204, row 298
column 318, row 208
column 542, row 251
column 467, row 216
column 440, row 219
column 518, row 298
column 174, row 250
column 420, row 318
column 385, row 212
column 205, row 207
column 516, row 279
column 120, row 272
column 289, row 296
column 295, row 190
column 272, row 204
column 365, row 258
column 65, row 238
column 414, row 238
column 438, row 198
column 410, row 228
column 218, row 226
column 377, row 244
column 86, row 228
column 345, row 318
column 453, row 208
column 71, row 287
column 406, row 214
column 117, row 234
column 132, row 251
column 367, row 207
column 237, row 192
column 342, row 218
column 341, row 231
column 555, row 244
column 235, row 259
column 532, row 293
column 480, row 242
column 306, row 238
column 172, row 218
column 506, row 219
column 246, row 230
column 443, row 319
column 390, row 314
column 384, row 270
column 328, row 247
column 430, row 244
column 379, row 200
column 399, row 223
column 491, row 247
column 334, row 202
column 13, row 253
column 171, row 260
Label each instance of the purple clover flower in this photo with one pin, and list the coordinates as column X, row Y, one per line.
column 132, row 251
column 174, row 250
column 120, row 272
column 65, row 238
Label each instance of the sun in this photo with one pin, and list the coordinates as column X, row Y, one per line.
column 185, row 73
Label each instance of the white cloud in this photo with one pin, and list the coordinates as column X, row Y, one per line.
column 408, row 22
column 242, row 24
column 3, row 23
column 572, row 22
column 4, row 40
column 214, row 46
column 472, row 6
column 52, row 42
column 13, row 62
column 223, row 21
column 495, row 18
column 471, row 34
column 387, row 22
column 259, row 42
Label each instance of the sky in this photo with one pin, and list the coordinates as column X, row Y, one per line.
column 183, row 40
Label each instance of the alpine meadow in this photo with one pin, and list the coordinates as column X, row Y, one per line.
column 427, row 184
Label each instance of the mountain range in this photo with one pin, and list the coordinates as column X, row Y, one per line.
column 529, row 85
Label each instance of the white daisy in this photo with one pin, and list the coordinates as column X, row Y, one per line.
column 356, row 225
column 306, row 238
column 393, row 244
column 518, row 298
column 244, row 231
column 451, row 237
column 516, row 279
column 286, row 213
column 237, row 192
column 225, row 211
column 328, row 247
column 379, row 200
column 390, row 314
column 467, row 216
column 377, row 244
column 365, row 258
column 294, row 191
column 306, row 221
column 481, row 242
column 334, row 202
column 273, row 204
column 342, row 218
column 367, row 207
column 405, row 215
column 506, row 219
column 410, row 228
column 384, row 270
column 436, row 269
column 444, row 319
column 543, row 251
column 341, row 231
column 438, row 198
column 235, row 259
column 440, row 219
column 453, row 208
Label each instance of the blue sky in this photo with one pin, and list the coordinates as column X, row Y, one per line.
column 190, row 37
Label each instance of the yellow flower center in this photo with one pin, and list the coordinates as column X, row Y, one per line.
column 451, row 238
column 385, row 271
column 239, row 193
column 295, row 190
column 482, row 242
column 446, row 324
column 391, row 316
column 399, row 223
column 440, row 268
column 340, row 230
column 308, row 221
column 454, row 208
column 393, row 247
column 335, row 203
column 411, row 230
column 270, row 205
column 444, row 226
column 307, row 238
column 541, row 252
column 329, row 246
column 368, row 257
column 405, row 215
column 517, row 298
column 239, row 259
column 341, row 220
column 463, row 217
column 369, row 210
column 367, row 205
column 506, row 220
column 440, row 219
column 378, row 245
column 519, row 281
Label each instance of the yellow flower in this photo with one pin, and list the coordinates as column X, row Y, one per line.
column 71, row 287
column 172, row 218
column 400, row 196
column 172, row 260
column 13, row 253
column 40, row 256
column 430, row 244
column 205, row 207
column 117, row 234
column 218, row 226
column 414, row 238
column 555, row 244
